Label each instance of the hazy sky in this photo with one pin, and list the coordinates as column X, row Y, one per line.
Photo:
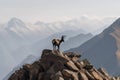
column 54, row 10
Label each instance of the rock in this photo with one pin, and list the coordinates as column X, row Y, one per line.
column 71, row 66
column 103, row 71
column 102, row 75
column 70, row 74
column 78, row 65
column 57, row 76
column 27, row 67
column 96, row 76
column 55, row 65
column 85, row 62
column 115, row 78
column 88, row 67
column 47, row 76
column 19, row 75
column 59, row 73
column 89, row 76
column 52, row 57
column 82, row 75
column 40, row 76
column 35, row 69
column 72, row 55
column 75, row 59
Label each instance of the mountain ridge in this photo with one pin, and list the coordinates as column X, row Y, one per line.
column 104, row 46
column 15, row 41
column 55, row 65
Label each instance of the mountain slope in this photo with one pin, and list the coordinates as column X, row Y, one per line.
column 76, row 41
column 55, row 65
column 29, row 60
column 104, row 49
column 16, row 38
column 46, row 43
column 13, row 35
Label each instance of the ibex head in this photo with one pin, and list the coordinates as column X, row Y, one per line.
column 62, row 38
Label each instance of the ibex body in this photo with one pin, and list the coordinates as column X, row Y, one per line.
column 57, row 42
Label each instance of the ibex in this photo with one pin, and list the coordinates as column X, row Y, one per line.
column 57, row 42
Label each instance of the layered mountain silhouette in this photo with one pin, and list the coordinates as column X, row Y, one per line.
column 16, row 36
column 20, row 39
column 76, row 41
column 37, row 47
column 104, row 49
column 55, row 65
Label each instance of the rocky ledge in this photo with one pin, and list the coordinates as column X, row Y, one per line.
column 55, row 65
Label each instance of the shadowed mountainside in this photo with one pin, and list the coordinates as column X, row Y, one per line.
column 104, row 49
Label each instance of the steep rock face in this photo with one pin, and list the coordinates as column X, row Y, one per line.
column 104, row 49
column 55, row 65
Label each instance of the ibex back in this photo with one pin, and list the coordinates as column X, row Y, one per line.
column 57, row 42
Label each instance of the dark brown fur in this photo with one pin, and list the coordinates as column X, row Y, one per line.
column 57, row 42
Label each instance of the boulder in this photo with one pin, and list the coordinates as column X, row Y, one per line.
column 71, row 66
column 104, row 73
column 72, row 54
column 88, row 67
column 51, row 57
column 82, row 75
column 40, row 76
column 19, row 75
column 47, row 76
column 57, row 76
column 27, row 67
column 89, row 76
column 96, row 76
column 78, row 65
column 85, row 62
column 70, row 74
column 56, row 67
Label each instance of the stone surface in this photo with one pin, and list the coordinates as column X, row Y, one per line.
column 70, row 74
column 96, row 76
column 103, row 71
column 82, row 76
column 72, row 55
column 55, row 65
column 71, row 66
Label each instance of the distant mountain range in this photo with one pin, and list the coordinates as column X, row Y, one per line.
column 104, row 49
column 19, row 39
column 46, row 43
column 76, row 41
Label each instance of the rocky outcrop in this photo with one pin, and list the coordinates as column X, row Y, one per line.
column 55, row 65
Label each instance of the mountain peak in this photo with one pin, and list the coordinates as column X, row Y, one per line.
column 39, row 23
column 118, row 20
column 55, row 65
column 116, row 23
column 15, row 22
